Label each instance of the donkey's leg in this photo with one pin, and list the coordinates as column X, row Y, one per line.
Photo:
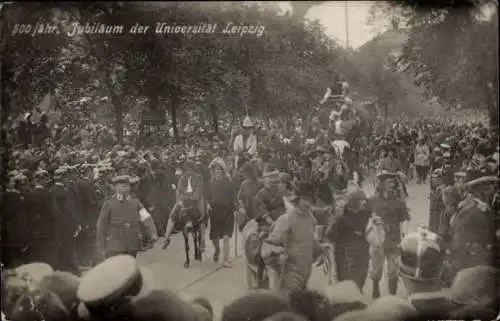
column 185, row 235
column 197, row 243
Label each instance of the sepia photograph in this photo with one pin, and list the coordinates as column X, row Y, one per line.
column 249, row 160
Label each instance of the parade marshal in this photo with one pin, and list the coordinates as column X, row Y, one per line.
column 118, row 226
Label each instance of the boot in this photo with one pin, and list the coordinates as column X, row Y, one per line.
column 225, row 252
column 393, row 286
column 376, row 289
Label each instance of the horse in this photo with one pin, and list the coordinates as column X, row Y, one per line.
column 188, row 221
column 253, row 240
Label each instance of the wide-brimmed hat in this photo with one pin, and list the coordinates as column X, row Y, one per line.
column 386, row 174
column 481, row 181
column 217, row 162
column 121, row 179
column 247, row 123
column 111, row 285
column 270, row 170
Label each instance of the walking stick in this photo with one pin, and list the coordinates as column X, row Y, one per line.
column 235, row 227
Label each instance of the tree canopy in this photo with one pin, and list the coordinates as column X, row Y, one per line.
column 452, row 50
column 286, row 67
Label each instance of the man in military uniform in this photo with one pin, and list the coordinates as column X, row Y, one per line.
column 450, row 198
column 420, row 267
column 191, row 191
column 391, row 209
column 118, row 226
column 436, row 206
column 473, row 230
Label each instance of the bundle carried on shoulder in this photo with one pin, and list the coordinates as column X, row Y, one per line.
column 375, row 233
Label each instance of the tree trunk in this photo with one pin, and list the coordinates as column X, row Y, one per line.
column 153, row 99
column 119, row 123
column 173, row 111
column 215, row 118
column 493, row 113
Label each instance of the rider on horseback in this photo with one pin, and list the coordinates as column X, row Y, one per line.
column 268, row 203
column 190, row 202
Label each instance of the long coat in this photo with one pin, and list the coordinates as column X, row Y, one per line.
column 69, row 222
column 15, row 236
column 436, row 208
column 293, row 234
column 473, row 239
column 351, row 246
column 118, row 227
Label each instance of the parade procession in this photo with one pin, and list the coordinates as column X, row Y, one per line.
column 348, row 203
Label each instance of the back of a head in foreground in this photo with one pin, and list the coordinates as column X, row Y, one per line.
column 286, row 316
column 390, row 308
column 475, row 286
column 161, row 305
column 204, row 302
column 473, row 312
column 255, row 306
column 311, row 304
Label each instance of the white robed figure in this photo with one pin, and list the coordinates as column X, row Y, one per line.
column 245, row 144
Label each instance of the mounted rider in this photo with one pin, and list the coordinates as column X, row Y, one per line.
column 245, row 144
column 268, row 207
column 268, row 203
column 190, row 194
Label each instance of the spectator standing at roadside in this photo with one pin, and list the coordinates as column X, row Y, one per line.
column 422, row 155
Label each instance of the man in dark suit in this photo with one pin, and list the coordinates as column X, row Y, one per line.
column 118, row 226
column 420, row 269
column 69, row 225
column 43, row 222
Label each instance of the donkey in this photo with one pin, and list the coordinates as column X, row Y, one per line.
column 187, row 220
